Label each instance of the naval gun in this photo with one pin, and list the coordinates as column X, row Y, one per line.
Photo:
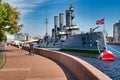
column 93, row 29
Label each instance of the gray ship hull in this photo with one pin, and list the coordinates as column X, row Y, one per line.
column 86, row 41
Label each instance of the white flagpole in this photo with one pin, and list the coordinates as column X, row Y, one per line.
column 104, row 32
column 104, row 29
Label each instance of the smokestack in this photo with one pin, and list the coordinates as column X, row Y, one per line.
column 61, row 21
column 68, row 17
column 55, row 26
column 55, row 23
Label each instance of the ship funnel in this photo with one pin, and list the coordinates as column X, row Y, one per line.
column 68, row 18
column 61, row 21
column 55, row 25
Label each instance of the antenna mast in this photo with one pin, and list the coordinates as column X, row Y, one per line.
column 71, row 8
column 46, row 22
column 70, row 2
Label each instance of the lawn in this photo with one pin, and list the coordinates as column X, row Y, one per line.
column 85, row 53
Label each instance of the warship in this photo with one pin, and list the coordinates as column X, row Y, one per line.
column 70, row 36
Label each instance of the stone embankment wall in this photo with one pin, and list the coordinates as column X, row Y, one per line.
column 81, row 69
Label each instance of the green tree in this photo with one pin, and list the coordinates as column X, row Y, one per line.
column 2, row 36
column 9, row 18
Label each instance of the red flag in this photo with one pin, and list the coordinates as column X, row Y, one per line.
column 102, row 21
column 98, row 22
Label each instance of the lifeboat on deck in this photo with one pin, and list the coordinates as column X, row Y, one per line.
column 107, row 56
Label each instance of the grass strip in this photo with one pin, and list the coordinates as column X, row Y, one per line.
column 3, row 61
column 85, row 53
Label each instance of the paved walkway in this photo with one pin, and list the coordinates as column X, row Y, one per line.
column 21, row 66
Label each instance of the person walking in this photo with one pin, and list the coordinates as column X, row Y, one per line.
column 31, row 49
column 20, row 46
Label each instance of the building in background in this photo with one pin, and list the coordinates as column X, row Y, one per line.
column 17, row 37
column 21, row 36
column 116, row 32
column 109, row 39
column 10, row 37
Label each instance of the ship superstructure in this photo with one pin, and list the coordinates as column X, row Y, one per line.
column 63, row 31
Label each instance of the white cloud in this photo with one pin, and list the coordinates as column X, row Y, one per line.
column 12, row 1
column 25, row 11
column 25, row 6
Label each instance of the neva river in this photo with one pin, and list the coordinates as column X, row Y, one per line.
column 110, row 68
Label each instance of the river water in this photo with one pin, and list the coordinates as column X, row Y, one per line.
column 110, row 68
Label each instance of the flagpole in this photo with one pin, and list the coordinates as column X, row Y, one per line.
column 104, row 29
column 102, row 22
column 104, row 26
column 105, row 33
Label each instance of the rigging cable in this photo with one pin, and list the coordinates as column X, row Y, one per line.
column 113, row 49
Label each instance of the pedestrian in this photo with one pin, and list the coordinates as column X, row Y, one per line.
column 31, row 49
column 19, row 46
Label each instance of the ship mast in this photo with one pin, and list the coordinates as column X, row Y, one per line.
column 46, row 22
column 71, row 8
column 70, row 15
column 70, row 2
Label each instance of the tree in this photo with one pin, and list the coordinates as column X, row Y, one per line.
column 9, row 18
column 2, row 36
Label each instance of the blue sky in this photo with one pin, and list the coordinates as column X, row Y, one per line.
column 87, row 12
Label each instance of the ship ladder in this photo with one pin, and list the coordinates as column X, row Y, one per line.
column 98, row 42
